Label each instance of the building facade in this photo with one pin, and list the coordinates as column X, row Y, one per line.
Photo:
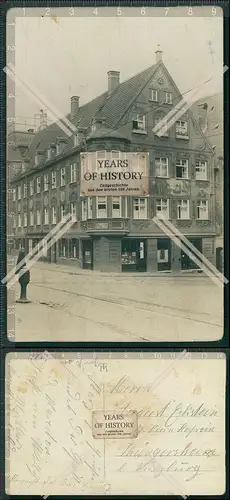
column 118, row 233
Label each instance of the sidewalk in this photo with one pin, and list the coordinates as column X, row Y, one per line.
column 87, row 272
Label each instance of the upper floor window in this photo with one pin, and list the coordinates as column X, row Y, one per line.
column 46, row 216
column 163, row 129
column 73, row 172
column 14, row 194
column 73, row 208
column 153, row 95
column 63, row 176
column 76, row 140
column 90, row 207
column 161, row 165
column 31, row 187
column 31, row 218
column 49, row 153
column 58, row 149
column 62, row 212
column 25, row 219
column 140, row 208
column 46, row 182
column 182, row 129
column 54, row 215
column 101, row 207
column 54, row 180
column 139, row 122
column 201, row 170
column 38, row 217
column 19, row 192
column 162, row 206
column 84, row 209
column 183, row 209
column 14, row 221
column 116, row 206
column 168, row 98
column 24, row 190
column 202, row 210
column 182, row 169
column 38, row 184
column 19, row 220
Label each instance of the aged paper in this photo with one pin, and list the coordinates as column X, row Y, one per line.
column 62, row 410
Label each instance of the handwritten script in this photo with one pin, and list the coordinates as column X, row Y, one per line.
column 69, row 426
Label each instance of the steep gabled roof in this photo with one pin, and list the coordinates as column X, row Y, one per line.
column 110, row 107
column 215, row 122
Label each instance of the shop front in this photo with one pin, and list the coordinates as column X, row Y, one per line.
column 133, row 255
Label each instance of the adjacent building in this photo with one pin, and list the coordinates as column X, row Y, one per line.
column 118, row 233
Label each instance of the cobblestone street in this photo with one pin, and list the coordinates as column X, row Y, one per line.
column 76, row 305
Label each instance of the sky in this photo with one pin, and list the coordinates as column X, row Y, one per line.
column 63, row 55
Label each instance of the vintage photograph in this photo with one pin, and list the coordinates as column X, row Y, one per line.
column 115, row 174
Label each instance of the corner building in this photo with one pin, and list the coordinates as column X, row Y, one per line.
column 117, row 233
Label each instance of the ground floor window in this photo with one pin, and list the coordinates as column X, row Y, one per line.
column 133, row 255
column 63, row 248
column 74, row 248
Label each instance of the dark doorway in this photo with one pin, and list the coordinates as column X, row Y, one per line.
column 133, row 255
column 87, row 251
column 186, row 262
column 164, row 254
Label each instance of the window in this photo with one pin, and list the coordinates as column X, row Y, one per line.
column 183, row 209
column 62, row 212
column 168, row 97
column 201, row 170
column 24, row 190
column 163, row 130
column 73, row 172
column 182, row 169
column 54, row 215
column 31, row 188
column 73, row 208
column 14, row 221
column 90, row 208
column 54, row 180
column 182, row 129
column 140, row 208
column 38, row 184
column 58, row 149
column 84, row 209
column 49, row 153
column 46, row 216
column 36, row 159
column 25, row 219
column 38, row 217
column 63, row 176
column 19, row 192
column 62, row 248
column 14, row 194
column 139, row 123
column 31, row 218
column 153, row 95
column 116, row 206
column 19, row 220
column 162, row 208
column 74, row 248
column 202, row 210
column 101, row 207
column 161, row 167
column 46, row 182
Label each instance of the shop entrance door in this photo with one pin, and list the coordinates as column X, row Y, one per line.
column 164, row 254
column 186, row 262
column 87, row 251
column 133, row 255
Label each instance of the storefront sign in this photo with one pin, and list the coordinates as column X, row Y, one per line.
column 114, row 173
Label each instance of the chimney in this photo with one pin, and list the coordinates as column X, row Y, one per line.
column 158, row 54
column 113, row 81
column 98, row 123
column 74, row 106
